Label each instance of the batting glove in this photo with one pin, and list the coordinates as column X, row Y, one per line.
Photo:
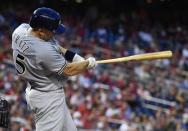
column 92, row 63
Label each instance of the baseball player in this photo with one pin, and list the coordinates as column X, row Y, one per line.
column 46, row 65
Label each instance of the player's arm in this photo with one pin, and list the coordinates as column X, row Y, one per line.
column 63, row 50
column 54, row 62
column 78, row 65
column 76, row 68
column 71, row 56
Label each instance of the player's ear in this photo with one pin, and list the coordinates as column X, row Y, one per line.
column 42, row 32
column 39, row 29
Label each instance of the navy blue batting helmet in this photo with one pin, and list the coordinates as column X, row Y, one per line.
column 47, row 18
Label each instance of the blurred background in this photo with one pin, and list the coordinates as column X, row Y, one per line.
column 131, row 96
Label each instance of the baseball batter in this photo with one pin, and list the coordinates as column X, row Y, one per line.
column 40, row 59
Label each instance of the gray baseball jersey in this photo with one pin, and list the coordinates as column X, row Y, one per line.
column 40, row 63
column 36, row 60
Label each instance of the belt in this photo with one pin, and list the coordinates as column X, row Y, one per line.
column 33, row 85
column 32, row 88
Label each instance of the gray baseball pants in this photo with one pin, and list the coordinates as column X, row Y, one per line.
column 50, row 110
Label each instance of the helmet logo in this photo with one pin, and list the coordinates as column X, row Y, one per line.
column 45, row 16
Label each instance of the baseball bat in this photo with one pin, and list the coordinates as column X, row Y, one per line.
column 139, row 57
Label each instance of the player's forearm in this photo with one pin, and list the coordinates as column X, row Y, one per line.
column 75, row 68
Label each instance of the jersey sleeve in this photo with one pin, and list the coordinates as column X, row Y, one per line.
column 57, row 45
column 51, row 59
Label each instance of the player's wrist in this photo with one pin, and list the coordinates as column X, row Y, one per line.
column 69, row 55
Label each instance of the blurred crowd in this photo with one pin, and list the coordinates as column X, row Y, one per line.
column 131, row 96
